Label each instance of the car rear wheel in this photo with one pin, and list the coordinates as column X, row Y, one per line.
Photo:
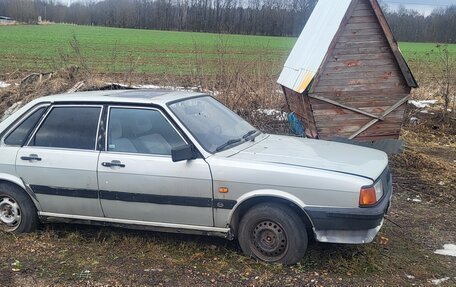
column 17, row 212
column 273, row 233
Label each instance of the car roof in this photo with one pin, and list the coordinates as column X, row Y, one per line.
column 141, row 96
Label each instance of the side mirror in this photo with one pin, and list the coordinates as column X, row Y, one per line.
column 182, row 153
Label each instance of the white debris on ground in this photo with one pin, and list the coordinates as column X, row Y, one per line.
column 414, row 120
column 426, row 112
column 417, row 199
column 440, row 281
column 16, row 266
column 165, row 87
column 278, row 115
column 422, row 107
column 172, row 88
column 147, row 87
column 153, row 270
column 214, row 93
column 85, row 274
column 4, row 84
column 11, row 110
column 423, row 104
column 409, row 276
column 448, row 250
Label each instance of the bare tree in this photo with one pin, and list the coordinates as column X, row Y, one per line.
column 257, row 17
column 445, row 79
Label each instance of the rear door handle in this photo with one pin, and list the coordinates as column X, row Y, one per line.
column 32, row 157
column 114, row 163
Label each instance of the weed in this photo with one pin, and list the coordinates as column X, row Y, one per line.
column 445, row 80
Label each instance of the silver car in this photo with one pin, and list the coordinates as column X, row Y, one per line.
column 183, row 162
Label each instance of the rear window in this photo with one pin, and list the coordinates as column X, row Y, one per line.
column 69, row 127
column 19, row 135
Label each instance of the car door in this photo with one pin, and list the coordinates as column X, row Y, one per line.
column 60, row 160
column 138, row 179
column 13, row 139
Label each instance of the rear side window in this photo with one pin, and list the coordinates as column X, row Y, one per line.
column 69, row 127
column 19, row 135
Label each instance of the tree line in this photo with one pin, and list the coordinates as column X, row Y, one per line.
column 410, row 26
column 254, row 17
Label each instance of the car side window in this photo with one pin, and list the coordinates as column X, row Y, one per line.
column 144, row 131
column 19, row 135
column 69, row 127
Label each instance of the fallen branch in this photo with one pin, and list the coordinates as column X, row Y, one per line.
column 76, row 87
column 36, row 76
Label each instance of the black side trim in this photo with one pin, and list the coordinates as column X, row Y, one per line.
column 137, row 197
column 168, row 199
column 157, row 199
column 68, row 192
column 224, row 203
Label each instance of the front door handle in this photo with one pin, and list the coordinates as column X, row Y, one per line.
column 32, row 157
column 114, row 163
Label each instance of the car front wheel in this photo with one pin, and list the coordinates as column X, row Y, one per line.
column 17, row 212
column 273, row 233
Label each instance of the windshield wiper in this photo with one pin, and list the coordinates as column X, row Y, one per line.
column 235, row 141
column 250, row 133
column 228, row 143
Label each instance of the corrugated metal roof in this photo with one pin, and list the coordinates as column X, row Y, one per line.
column 312, row 45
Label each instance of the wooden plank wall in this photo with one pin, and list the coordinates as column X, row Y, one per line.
column 300, row 105
column 360, row 72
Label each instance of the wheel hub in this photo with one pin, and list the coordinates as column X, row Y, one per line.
column 10, row 213
column 269, row 239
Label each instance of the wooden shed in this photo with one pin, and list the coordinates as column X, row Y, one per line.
column 346, row 76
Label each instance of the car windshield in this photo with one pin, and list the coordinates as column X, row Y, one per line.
column 216, row 127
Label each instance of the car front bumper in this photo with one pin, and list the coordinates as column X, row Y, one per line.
column 347, row 236
column 351, row 225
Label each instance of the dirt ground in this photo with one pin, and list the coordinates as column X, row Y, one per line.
column 421, row 220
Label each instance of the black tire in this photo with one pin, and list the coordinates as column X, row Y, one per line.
column 18, row 214
column 273, row 233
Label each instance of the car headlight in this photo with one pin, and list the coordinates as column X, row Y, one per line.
column 379, row 189
column 369, row 195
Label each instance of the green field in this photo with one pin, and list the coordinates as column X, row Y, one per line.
column 113, row 50
column 41, row 47
column 424, row 51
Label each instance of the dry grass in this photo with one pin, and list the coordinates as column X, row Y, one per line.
column 245, row 87
column 433, row 75
column 39, row 85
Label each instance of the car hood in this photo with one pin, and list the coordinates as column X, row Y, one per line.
column 317, row 154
